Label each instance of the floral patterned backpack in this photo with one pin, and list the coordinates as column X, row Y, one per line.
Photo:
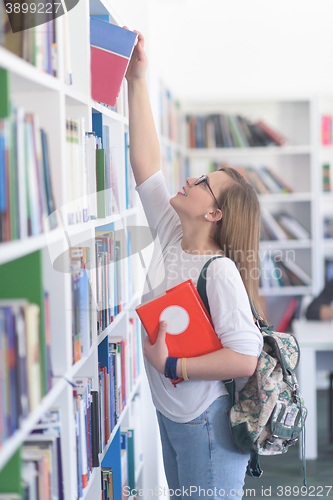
column 269, row 415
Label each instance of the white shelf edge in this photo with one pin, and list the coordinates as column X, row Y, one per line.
column 14, row 249
column 27, row 71
column 285, row 244
column 285, row 197
column 92, row 478
column 285, row 291
column 121, row 418
column 11, row 250
column 108, row 112
column 12, row 444
column 138, row 471
column 262, row 151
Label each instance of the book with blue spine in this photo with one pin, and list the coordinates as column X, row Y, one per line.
column 111, row 51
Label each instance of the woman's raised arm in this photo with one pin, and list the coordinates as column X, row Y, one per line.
column 144, row 146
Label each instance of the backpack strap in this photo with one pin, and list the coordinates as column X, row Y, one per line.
column 253, row 467
column 201, row 287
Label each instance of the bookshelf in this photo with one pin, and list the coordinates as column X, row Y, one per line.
column 296, row 162
column 325, row 181
column 37, row 263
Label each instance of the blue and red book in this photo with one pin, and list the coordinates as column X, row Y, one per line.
column 111, row 51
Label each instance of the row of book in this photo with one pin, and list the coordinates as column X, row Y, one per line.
column 276, row 272
column 281, row 226
column 82, row 302
column 326, row 178
column 170, row 117
column 326, row 130
column 119, row 369
column 112, row 385
column 42, row 467
column 21, row 32
column 129, row 177
column 264, row 180
column 328, row 227
column 109, row 275
column 87, row 428
column 92, row 184
column 123, row 459
column 26, row 197
column 230, row 131
column 22, row 371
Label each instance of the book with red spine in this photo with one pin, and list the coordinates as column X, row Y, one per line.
column 111, row 51
column 272, row 134
column 190, row 330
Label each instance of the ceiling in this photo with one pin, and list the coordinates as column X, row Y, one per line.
column 216, row 48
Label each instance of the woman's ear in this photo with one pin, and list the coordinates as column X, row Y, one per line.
column 216, row 215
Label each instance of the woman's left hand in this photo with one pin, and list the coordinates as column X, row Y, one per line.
column 157, row 353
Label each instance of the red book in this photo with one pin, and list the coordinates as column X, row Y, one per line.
column 111, row 51
column 190, row 330
column 273, row 134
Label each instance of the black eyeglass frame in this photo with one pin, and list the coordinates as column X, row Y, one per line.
column 202, row 179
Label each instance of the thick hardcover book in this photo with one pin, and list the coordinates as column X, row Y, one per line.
column 111, row 50
column 190, row 331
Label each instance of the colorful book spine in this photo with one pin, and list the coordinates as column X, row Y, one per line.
column 326, row 130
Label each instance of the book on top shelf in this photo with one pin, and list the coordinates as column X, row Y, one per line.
column 190, row 331
column 230, row 131
column 111, row 51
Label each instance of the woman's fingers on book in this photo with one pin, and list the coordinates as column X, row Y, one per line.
column 156, row 354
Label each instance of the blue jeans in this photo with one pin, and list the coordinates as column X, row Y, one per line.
column 200, row 457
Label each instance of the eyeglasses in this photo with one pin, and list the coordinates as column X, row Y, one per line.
column 204, row 179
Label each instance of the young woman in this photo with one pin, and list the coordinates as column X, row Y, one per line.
column 217, row 214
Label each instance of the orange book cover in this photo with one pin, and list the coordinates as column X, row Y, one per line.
column 190, row 330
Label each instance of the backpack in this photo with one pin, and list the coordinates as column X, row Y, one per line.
column 269, row 414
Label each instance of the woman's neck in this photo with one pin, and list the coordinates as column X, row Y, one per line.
column 199, row 241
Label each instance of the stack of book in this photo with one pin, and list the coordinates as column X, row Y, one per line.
column 82, row 301
column 276, row 273
column 326, row 179
column 281, row 226
column 328, row 227
column 30, row 33
column 129, row 177
column 264, row 180
column 326, row 130
column 230, row 131
column 22, row 372
column 110, row 253
column 27, row 205
column 113, row 381
column 42, row 468
column 85, row 430
column 76, row 171
column 133, row 352
column 107, row 191
column 127, row 466
column 169, row 115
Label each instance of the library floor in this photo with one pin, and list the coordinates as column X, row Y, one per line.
column 286, row 470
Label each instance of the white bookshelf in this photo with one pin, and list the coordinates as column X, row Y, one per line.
column 54, row 101
column 325, row 199
column 296, row 162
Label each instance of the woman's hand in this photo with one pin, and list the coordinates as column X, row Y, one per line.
column 157, row 353
column 139, row 62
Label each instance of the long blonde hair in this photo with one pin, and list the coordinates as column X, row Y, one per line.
column 238, row 232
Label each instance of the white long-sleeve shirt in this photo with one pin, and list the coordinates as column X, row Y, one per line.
column 227, row 297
